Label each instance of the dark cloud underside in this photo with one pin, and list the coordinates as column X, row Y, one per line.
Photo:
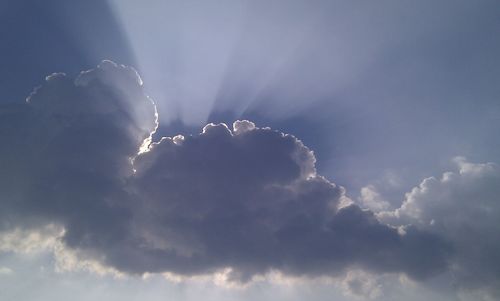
column 247, row 198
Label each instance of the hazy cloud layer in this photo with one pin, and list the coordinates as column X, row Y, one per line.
column 247, row 198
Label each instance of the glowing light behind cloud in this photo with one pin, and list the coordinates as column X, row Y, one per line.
column 198, row 57
column 184, row 54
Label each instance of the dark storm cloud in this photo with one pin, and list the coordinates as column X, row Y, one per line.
column 250, row 199
column 247, row 198
column 66, row 150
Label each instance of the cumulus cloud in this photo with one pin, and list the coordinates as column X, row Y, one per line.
column 370, row 198
column 249, row 198
column 462, row 207
column 244, row 199
column 67, row 150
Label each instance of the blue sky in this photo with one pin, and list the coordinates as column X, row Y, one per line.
column 394, row 108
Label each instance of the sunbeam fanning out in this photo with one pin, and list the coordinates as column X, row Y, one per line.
column 198, row 58
column 241, row 150
column 185, row 54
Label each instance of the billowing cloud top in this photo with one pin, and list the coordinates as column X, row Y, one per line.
column 246, row 198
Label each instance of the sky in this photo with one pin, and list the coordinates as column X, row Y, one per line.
column 249, row 150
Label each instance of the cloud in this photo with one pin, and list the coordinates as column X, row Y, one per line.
column 49, row 239
column 249, row 198
column 244, row 199
column 462, row 207
column 5, row 271
column 370, row 198
column 29, row 241
column 68, row 151
column 361, row 285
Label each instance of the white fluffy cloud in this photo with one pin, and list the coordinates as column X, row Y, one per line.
column 463, row 207
column 370, row 198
